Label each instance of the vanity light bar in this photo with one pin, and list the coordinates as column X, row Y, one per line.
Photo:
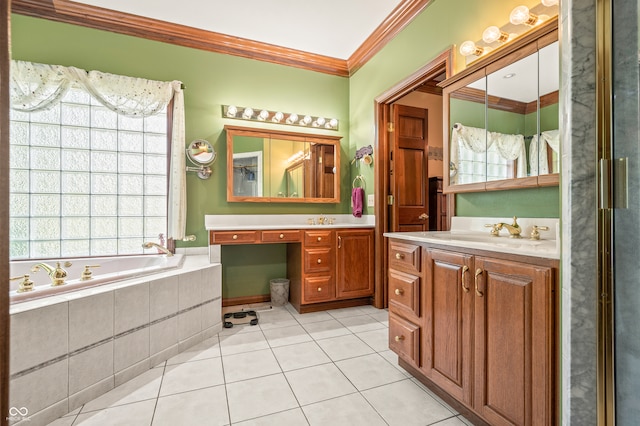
column 291, row 119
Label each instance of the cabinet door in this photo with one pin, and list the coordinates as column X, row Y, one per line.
column 354, row 272
column 514, row 319
column 448, row 302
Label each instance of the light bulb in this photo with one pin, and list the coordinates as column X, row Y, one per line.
column 320, row 121
column 333, row 123
column 550, row 3
column 306, row 120
column 494, row 33
column 469, row 48
column 247, row 114
column 277, row 117
column 264, row 114
column 521, row 15
column 231, row 111
column 292, row 118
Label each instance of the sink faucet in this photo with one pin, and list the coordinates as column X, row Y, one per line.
column 56, row 274
column 514, row 229
column 158, row 246
column 321, row 219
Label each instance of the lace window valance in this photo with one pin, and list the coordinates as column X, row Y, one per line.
column 35, row 87
column 538, row 151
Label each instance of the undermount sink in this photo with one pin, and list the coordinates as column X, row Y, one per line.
column 488, row 239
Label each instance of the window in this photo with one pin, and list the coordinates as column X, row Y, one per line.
column 86, row 181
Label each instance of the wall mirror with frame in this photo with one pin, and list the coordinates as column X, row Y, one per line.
column 287, row 167
column 501, row 117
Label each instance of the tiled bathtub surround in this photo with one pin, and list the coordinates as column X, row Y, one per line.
column 69, row 352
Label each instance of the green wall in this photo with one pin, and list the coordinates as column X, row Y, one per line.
column 213, row 80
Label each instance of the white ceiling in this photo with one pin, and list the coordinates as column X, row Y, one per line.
column 334, row 28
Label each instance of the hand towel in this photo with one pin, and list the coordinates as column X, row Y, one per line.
column 357, row 200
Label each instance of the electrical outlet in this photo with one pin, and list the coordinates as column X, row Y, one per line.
column 370, row 200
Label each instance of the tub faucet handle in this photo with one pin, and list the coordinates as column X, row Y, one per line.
column 86, row 274
column 25, row 285
column 535, row 231
column 58, row 276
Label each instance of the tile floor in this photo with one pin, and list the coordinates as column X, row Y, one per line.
column 324, row 368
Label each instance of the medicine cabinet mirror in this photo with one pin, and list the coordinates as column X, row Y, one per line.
column 289, row 167
column 501, row 117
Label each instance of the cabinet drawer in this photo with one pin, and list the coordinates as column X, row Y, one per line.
column 404, row 293
column 284, row 236
column 318, row 289
column 318, row 238
column 234, row 237
column 404, row 257
column 404, row 339
column 318, row 260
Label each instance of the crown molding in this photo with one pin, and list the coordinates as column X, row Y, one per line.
column 137, row 26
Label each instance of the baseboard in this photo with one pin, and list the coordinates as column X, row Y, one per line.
column 246, row 300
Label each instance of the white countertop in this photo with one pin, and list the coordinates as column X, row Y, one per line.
column 283, row 221
column 470, row 232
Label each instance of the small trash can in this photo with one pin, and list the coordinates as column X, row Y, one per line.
column 279, row 291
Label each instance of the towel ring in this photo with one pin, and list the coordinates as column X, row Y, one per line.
column 360, row 179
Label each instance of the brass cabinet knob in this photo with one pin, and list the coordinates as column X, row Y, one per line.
column 399, row 338
column 319, row 288
column 399, row 292
column 319, row 238
column 423, row 216
column 281, row 236
column 399, row 256
column 319, row 261
column 235, row 237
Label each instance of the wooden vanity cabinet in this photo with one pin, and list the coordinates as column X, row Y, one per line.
column 486, row 325
column 333, row 268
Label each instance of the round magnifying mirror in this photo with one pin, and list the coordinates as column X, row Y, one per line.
column 201, row 152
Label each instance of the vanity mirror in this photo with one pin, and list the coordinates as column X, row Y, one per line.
column 274, row 166
column 501, row 117
column 201, row 153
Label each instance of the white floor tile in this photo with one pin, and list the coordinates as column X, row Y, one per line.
column 310, row 317
column 285, row 418
column 349, row 410
column 145, row 386
column 191, row 376
column 433, row 395
column 382, row 315
column 453, row 421
column 135, row 414
column 346, row 312
column 249, row 365
column 378, row 340
column 276, row 319
column 286, row 336
column 392, row 357
column 209, row 348
column 318, row 383
column 242, row 342
column 326, row 329
column 302, row 355
column 369, row 371
column 361, row 323
column 63, row 421
column 404, row 403
column 343, row 347
column 200, row 407
column 259, row 397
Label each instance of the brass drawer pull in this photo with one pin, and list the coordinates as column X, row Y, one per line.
column 339, row 242
column 319, row 238
column 235, row 237
column 319, row 261
column 319, row 289
column 465, row 269
column 281, row 236
column 478, row 273
column 399, row 338
column 399, row 256
column 399, row 292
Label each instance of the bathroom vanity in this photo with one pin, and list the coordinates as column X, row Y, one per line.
column 329, row 259
column 474, row 317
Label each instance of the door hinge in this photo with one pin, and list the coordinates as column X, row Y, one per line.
column 614, row 183
column 389, row 200
column 390, row 126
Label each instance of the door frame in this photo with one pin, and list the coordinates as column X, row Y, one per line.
column 444, row 62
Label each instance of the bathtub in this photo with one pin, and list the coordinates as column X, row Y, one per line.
column 112, row 269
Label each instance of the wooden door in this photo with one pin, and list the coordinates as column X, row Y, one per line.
column 513, row 316
column 448, row 313
column 354, row 271
column 410, row 211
